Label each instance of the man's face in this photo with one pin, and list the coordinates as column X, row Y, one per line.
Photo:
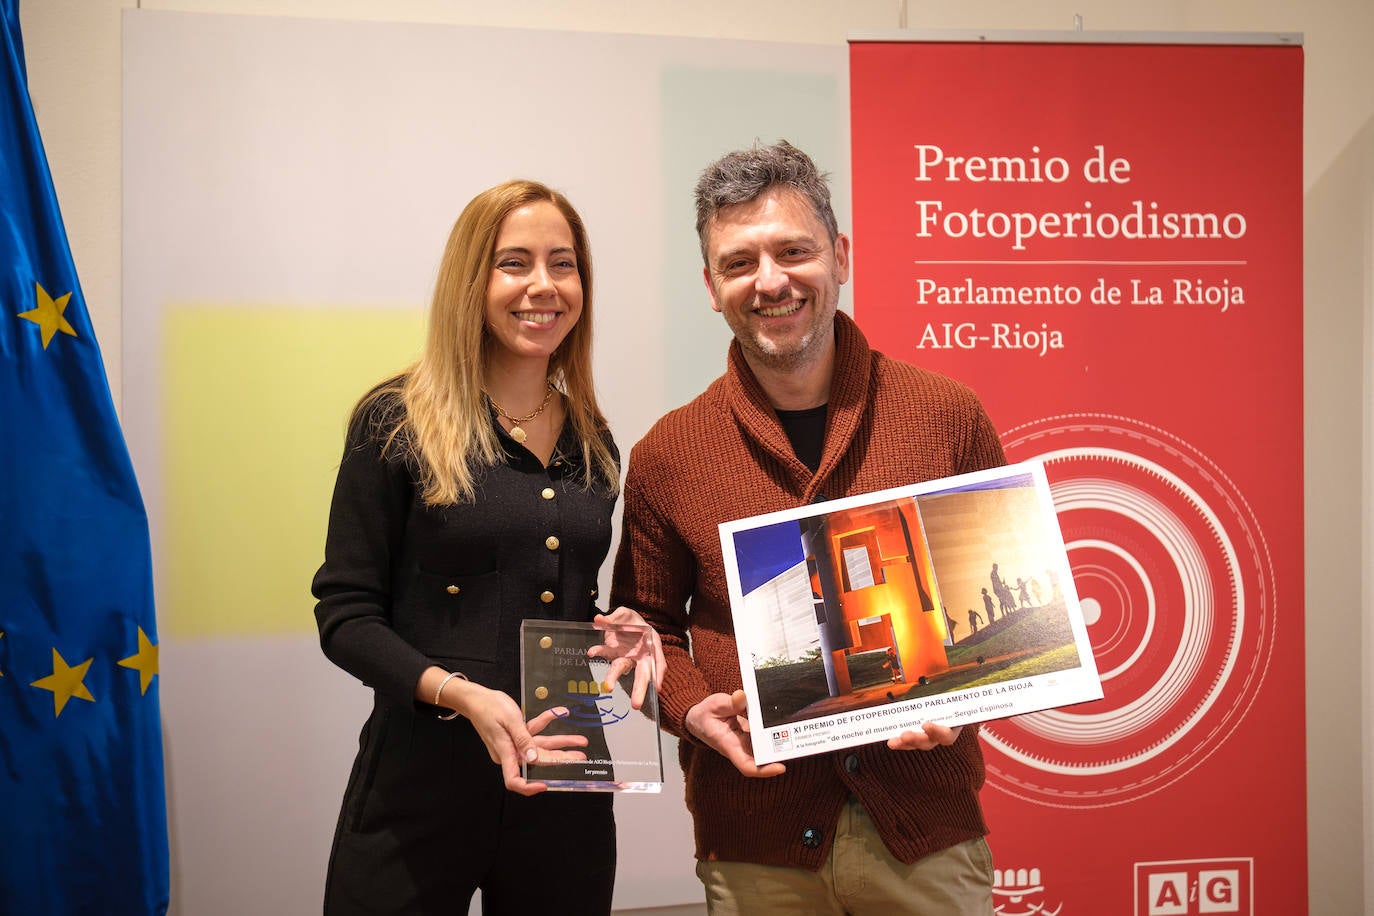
column 774, row 274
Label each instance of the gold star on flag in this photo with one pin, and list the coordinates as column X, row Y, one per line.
column 48, row 315
column 145, row 662
column 65, row 682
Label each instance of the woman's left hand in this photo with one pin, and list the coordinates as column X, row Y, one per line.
column 640, row 649
column 555, row 748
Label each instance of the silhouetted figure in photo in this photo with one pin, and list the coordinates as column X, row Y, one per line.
column 974, row 618
column 1006, row 603
column 987, row 606
column 1023, row 591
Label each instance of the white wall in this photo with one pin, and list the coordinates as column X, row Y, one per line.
column 73, row 49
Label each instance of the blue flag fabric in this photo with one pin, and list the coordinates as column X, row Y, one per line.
column 83, row 823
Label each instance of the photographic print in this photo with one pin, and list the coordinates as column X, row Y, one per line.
column 948, row 601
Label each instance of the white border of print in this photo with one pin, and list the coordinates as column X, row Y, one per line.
column 871, row 724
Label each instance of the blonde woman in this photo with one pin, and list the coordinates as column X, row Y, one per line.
column 475, row 491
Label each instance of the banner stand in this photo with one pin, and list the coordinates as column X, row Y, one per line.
column 1101, row 234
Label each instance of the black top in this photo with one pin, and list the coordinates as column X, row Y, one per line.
column 806, row 431
column 405, row 585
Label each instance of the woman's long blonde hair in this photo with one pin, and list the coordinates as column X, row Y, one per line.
column 445, row 428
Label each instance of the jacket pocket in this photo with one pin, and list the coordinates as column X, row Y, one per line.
column 457, row 616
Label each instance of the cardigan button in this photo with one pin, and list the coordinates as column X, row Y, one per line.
column 547, row 493
column 551, row 542
column 453, row 589
column 851, row 763
column 811, row 838
column 546, row 597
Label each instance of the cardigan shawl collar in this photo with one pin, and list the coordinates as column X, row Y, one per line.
column 849, row 404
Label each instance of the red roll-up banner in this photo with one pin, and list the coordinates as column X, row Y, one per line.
column 1104, row 240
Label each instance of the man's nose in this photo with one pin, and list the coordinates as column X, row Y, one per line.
column 771, row 279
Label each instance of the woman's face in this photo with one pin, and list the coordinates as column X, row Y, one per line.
column 534, row 295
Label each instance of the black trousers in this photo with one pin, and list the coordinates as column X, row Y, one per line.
column 427, row 821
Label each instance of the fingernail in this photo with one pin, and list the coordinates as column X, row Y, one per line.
column 531, row 755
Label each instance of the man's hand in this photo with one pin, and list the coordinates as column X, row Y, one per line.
column 721, row 722
column 640, row 649
column 928, row 738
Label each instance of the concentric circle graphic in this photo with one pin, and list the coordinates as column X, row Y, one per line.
column 1178, row 589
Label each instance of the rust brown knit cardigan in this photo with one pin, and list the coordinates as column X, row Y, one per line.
column 725, row 456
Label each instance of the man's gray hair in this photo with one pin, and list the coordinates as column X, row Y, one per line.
column 747, row 174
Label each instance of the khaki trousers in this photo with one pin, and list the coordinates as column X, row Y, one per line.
column 859, row 877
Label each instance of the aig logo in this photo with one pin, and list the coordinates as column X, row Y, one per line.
column 1194, row 887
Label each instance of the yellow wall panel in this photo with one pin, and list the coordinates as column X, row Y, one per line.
column 255, row 404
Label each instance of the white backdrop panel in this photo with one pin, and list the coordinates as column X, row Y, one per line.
column 308, row 168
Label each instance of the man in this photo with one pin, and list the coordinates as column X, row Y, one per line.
column 805, row 412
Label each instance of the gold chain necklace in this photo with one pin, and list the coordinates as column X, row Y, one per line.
column 516, row 433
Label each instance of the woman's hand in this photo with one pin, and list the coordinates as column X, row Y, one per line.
column 555, row 748
column 627, row 648
column 509, row 739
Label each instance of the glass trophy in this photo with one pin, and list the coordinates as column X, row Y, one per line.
column 622, row 752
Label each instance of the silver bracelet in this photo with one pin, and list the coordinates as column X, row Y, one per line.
column 440, row 692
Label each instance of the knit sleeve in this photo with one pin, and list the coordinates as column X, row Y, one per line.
column 367, row 522
column 982, row 447
column 654, row 572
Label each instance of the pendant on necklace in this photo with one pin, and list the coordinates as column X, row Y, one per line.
column 518, row 434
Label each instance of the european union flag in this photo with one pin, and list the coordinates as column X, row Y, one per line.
column 83, row 822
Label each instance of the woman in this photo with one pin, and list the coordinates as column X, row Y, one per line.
column 475, row 490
